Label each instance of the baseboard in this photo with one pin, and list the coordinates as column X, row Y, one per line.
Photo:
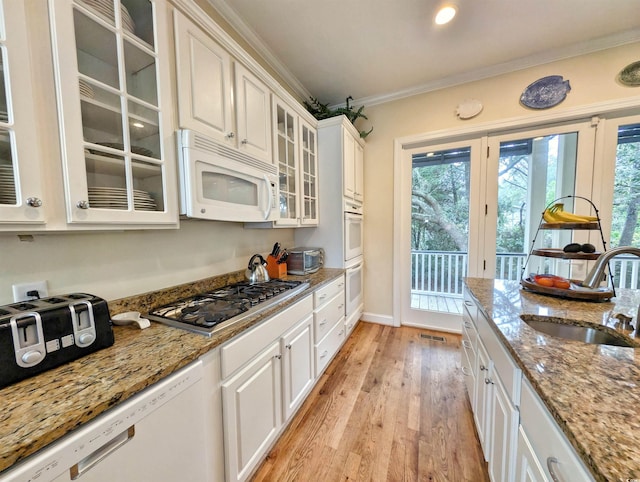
column 379, row 319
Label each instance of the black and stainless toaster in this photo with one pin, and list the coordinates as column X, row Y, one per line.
column 42, row 334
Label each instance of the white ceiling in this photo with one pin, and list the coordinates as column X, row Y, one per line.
column 377, row 50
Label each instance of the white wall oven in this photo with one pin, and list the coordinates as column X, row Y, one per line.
column 221, row 183
column 353, row 228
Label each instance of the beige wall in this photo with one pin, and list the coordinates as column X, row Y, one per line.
column 592, row 79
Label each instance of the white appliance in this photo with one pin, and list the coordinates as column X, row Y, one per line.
column 353, row 234
column 221, row 183
column 156, row 435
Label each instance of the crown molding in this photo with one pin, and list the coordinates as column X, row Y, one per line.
column 256, row 42
column 577, row 49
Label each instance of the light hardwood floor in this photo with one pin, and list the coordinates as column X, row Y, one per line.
column 390, row 407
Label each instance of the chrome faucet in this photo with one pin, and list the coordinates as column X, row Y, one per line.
column 595, row 276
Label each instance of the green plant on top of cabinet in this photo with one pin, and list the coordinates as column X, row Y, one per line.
column 21, row 198
column 218, row 96
column 295, row 151
column 112, row 83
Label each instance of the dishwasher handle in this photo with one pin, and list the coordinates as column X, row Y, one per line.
column 101, row 453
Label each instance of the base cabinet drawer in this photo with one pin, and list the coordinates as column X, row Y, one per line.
column 328, row 347
column 326, row 317
column 555, row 455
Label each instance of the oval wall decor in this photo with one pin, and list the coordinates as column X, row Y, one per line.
column 469, row 108
column 630, row 75
column 545, row 92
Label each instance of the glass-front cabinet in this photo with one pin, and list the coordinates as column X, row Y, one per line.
column 309, row 174
column 21, row 198
column 112, row 87
column 296, row 157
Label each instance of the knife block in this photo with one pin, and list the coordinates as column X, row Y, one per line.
column 274, row 269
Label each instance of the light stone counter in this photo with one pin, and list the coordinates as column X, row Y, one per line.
column 41, row 409
column 592, row 391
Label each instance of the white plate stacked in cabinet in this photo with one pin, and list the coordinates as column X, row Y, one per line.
column 328, row 321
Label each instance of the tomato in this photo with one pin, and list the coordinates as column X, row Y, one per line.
column 544, row 281
column 562, row 284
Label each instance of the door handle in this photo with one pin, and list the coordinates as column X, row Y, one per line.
column 269, row 195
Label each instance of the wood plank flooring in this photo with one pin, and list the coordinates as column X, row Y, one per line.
column 390, row 407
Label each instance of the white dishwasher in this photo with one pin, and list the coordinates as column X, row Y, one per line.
column 157, row 435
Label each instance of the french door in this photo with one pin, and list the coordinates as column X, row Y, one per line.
column 438, row 241
column 527, row 170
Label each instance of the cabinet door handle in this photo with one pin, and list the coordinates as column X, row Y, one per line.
column 550, row 462
column 230, row 135
column 467, row 344
column 244, row 141
column 488, row 381
column 278, row 356
column 468, row 325
column 288, row 347
column 482, row 368
column 465, row 371
column 34, row 202
column 83, row 204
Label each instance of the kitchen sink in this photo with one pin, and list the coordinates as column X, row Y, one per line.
column 577, row 331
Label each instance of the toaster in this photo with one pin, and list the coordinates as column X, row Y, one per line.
column 42, row 334
column 303, row 261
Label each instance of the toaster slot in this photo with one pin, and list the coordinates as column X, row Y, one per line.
column 28, row 339
column 84, row 327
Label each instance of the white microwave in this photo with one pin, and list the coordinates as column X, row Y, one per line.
column 221, row 183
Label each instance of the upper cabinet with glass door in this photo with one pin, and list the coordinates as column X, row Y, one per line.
column 296, row 157
column 112, row 85
column 21, row 199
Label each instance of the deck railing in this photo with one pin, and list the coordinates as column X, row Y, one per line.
column 442, row 272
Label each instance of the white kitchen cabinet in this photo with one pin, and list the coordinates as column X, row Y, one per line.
column 114, row 105
column 528, row 468
column 295, row 153
column 297, row 365
column 266, row 374
column 353, row 166
column 253, row 114
column 328, row 320
column 218, row 96
column 502, row 432
column 204, row 74
column 22, row 201
column 551, row 451
column 483, row 399
column 252, row 408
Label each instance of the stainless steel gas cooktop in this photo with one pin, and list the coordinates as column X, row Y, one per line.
column 209, row 312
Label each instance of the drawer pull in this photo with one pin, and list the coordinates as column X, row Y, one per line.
column 324, row 354
column 552, row 472
column 323, row 322
column 468, row 303
column 467, row 344
column 465, row 371
column 322, row 296
column 341, row 333
column 468, row 325
column 341, row 306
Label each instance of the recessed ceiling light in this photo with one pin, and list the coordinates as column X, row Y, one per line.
column 445, row 14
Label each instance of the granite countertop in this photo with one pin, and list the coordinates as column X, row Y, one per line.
column 41, row 409
column 592, row 391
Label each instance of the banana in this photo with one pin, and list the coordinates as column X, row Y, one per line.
column 563, row 216
column 550, row 217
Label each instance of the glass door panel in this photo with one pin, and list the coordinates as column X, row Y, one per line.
column 309, row 177
column 532, row 173
column 96, row 50
column 140, row 69
column 7, row 176
column 625, row 223
column 148, row 193
column 286, row 159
